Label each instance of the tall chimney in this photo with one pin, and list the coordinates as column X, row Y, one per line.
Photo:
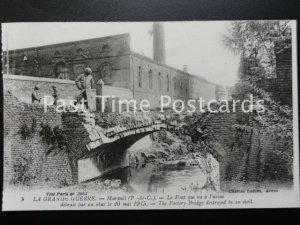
column 159, row 51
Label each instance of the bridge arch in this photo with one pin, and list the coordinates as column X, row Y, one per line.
column 105, row 149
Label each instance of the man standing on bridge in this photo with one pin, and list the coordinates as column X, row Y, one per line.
column 84, row 83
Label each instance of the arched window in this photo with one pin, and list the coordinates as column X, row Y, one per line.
column 105, row 70
column 140, row 76
column 61, row 71
column 150, row 79
column 159, row 81
column 168, row 83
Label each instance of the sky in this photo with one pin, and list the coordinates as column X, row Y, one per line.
column 195, row 44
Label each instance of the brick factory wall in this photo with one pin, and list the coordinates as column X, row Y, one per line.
column 121, row 93
column 202, row 89
column 43, row 169
column 166, row 81
column 108, row 57
column 141, row 65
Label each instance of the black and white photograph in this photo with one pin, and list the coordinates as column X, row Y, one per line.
column 150, row 115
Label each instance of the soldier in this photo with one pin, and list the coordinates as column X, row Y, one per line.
column 84, row 83
column 55, row 95
column 35, row 96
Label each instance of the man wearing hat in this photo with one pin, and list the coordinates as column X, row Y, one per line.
column 35, row 96
column 84, row 82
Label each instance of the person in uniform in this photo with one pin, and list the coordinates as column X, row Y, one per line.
column 84, row 83
column 55, row 94
column 35, row 95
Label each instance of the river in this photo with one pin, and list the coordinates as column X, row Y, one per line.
column 158, row 178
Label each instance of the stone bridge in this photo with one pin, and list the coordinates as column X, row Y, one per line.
column 97, row 150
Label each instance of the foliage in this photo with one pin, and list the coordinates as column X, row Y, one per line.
column 26, row 131
column 254, row 40
column 22, row 175
column 200, row 136
column 54, row 137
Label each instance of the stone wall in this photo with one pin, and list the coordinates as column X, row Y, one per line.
column 22, row 87
column 29, row 160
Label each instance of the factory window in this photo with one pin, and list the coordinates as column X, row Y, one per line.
column 174, row 81
column 180, row 83
column 159, row 81
column 168, row 83
column 140, row 76
column 150, row 79
column 187, row 88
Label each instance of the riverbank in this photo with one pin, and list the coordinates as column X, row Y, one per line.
column 163, row 148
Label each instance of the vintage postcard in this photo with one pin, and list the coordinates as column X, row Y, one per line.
column 150, row 115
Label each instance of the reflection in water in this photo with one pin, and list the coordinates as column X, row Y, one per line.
column 162, row 178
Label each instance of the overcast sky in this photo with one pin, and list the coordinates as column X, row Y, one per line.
column 196, row 44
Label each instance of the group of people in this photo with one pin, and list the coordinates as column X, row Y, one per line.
column 36, row 97
column 84, row 83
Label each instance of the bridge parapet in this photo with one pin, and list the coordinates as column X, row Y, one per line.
column 98, row 136
column 87, row 135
